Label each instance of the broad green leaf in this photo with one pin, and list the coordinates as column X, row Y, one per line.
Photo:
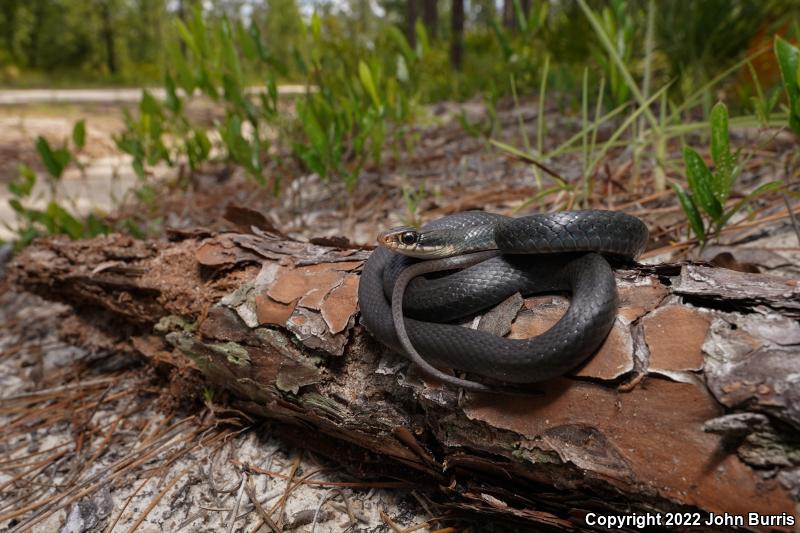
column 183, row 73
column 16, row 205
column 691, row 212
column 724, row 160
column 255, row 36
column 257, row 170
column 310, row 159
column 149, row 104
column 147, row 194
column 700, row 181
column 52, row 162
column 23, row 185
column 402, row 43
column 369, row 84
column 63, row 157
column 316, row 26
column 789, row 64
column 26, row 237
column 79, row 134
column 197, row 148
column 206, row 84
column 229, row 53
column 423, row 41
column 200, row 31
column 247, row 42
column 522, row 21
column 187, row 37
column 138, row 167
column 63, row 222
column 173, row 102
column 313, row 130
column 720, row 141
column 134, row 229
column 95, row 226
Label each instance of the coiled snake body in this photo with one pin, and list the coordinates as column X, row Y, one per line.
column 537, row 253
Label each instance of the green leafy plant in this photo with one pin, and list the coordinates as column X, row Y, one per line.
column 705, row 203
column 763, row 103
column 360, row 100
column 789, row 61
column 54, row 218
column 210, row 58
column 618, row 25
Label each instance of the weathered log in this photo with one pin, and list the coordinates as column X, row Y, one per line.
column 691, row 404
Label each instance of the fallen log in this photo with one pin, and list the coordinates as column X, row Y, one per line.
column 690, row 409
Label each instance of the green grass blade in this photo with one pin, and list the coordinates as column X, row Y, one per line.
column 623, row 70
column 691, row 100
column 644, row 108
column 565, row 146
column 758, row 191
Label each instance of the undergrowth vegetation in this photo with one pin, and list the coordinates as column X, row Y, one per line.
column 648, row 72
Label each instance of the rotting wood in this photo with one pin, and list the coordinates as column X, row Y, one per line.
column 645, row 425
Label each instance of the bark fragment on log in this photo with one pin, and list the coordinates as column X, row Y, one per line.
column 645, row 424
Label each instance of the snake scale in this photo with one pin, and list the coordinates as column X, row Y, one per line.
column 532, row 254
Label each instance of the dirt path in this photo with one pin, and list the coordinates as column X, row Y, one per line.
column 107, row 174
column 99, row 96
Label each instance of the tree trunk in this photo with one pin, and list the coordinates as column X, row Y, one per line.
column 106, row 15
column 691, row 404
column 509, row 15
column 411, row 22
column 10, row 27
column 430, row 17
column 457, row 34
column 526, row 7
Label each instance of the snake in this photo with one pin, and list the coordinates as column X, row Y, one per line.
column 492, row 257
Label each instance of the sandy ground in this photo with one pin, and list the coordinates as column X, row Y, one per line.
column 188, row 484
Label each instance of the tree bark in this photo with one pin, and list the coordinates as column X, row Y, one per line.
column 526, row 7
column 411, row 22
column 457, row 34
column 430, row 17
column 108, row 36
column 10, row 8
column 509, row 15
column 691, row 404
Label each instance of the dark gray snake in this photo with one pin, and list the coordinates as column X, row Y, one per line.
column 537, row 253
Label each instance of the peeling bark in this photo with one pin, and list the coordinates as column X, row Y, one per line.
column 692, row 402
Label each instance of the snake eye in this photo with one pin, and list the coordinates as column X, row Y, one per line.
column 409, row 237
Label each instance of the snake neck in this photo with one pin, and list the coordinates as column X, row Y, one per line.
column 457, row 241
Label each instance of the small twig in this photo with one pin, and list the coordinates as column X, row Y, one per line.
column 235, row 511
column 260, row 508
column 157, row 499
column 317, row 511
column 389, row 522
column 127, row 502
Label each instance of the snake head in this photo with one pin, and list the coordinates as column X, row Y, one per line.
column 404, row 239
column 415, row 243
